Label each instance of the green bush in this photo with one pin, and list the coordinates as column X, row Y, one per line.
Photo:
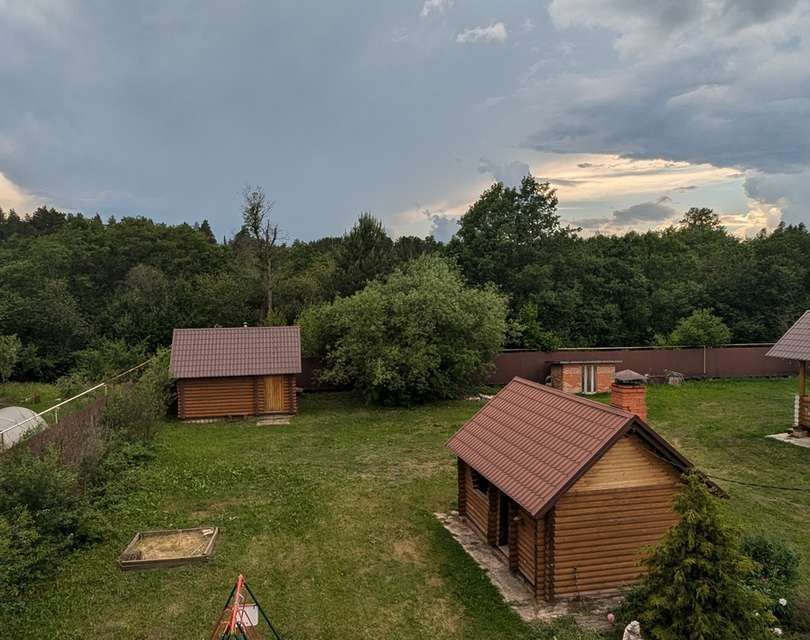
column 701, row 329
column 50, row 493
column 697, row 581
column 48, row 507
column 43, row 514
column 420, row 335
column 775, row 573
column 134, row 408
column 107, row 357
column 10, row 347
column 22, row 556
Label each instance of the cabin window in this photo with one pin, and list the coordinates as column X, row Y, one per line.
column 588, row 378
column 479, row 482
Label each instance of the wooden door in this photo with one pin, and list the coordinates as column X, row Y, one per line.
column 274, row 394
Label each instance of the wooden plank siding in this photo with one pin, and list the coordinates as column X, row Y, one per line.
column 230, row 397
column 602, row 524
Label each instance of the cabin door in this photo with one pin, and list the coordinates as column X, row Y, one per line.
column 274, row 394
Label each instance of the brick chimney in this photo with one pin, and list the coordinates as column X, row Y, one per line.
column 629, row 392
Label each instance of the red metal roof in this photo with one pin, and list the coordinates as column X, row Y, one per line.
column 795, row 344
column 237, row 351
column 533, row 442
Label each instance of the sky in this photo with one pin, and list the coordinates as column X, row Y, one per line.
column 635, row 110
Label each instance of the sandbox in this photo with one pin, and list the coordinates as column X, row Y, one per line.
column 169, row 548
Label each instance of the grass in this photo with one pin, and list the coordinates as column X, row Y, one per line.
column 330, row 519
column 33, row 395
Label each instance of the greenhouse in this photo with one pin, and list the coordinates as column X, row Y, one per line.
column 15, row 422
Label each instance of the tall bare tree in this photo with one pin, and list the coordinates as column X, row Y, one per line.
column 263, row 231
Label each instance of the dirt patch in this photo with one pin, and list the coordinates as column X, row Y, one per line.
column 443, row 616
column 408, row 551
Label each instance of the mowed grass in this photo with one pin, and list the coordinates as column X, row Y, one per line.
column 331, row 520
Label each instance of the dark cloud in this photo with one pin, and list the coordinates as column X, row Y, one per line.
column 645, row 212
column 642, row 214
column 510, row 173
column 724, row 83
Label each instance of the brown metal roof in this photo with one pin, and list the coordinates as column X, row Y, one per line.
column 237, row 351
column 533, row 442
column 795, row 344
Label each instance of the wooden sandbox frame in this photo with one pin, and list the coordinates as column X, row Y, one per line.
column 202, row 557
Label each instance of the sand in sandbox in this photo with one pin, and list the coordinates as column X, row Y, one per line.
column 172, row 545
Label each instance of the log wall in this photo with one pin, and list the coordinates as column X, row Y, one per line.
column 526, row 541
column 229, row 397
column 603, row 523
column 476, row 503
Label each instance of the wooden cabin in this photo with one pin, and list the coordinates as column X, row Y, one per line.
column 236, row 372
column 583, row 376
column 568, row 489
column 795, row 345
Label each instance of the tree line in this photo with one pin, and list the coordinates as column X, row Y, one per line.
column 80, row 292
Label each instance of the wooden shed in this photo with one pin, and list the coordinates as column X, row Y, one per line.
column 570, row 490
column 240, row 371
column 583, row 376
column 795, row 345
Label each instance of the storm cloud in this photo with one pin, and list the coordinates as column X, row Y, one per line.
column 168, row 109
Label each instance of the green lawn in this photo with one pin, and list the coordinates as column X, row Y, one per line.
column 32, row 395
column 330, row 519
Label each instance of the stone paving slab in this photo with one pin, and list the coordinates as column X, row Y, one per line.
column 588, row 613
column 786, row 437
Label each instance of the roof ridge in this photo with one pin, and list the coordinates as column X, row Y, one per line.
column 276, row 327
column 571, row 396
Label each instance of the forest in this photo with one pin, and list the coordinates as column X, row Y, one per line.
column 88, row 294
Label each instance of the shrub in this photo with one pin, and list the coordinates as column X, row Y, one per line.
column 697, row 580
column 775, row 573
column 107, row 357
column 51, row 494
column 74, row 383
column 22, row 556
column 133, row 409
column 528, row 332
column 701, row 329
column 10, row 347
column 420, row 335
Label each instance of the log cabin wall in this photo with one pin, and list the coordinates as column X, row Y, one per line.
column 225, row 397
column 602, row 524
column 290, row 393
column 476, row 503
column 526, row 542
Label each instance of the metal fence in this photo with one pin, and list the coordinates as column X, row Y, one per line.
column 731, row 361
column 9, row 436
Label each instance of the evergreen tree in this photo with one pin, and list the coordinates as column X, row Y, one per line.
column 366, row 252
column 205, row 229
column 695, row 588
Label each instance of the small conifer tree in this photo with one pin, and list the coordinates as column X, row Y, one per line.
column 695, row 588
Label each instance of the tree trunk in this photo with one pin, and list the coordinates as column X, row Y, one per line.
column 269, row 285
